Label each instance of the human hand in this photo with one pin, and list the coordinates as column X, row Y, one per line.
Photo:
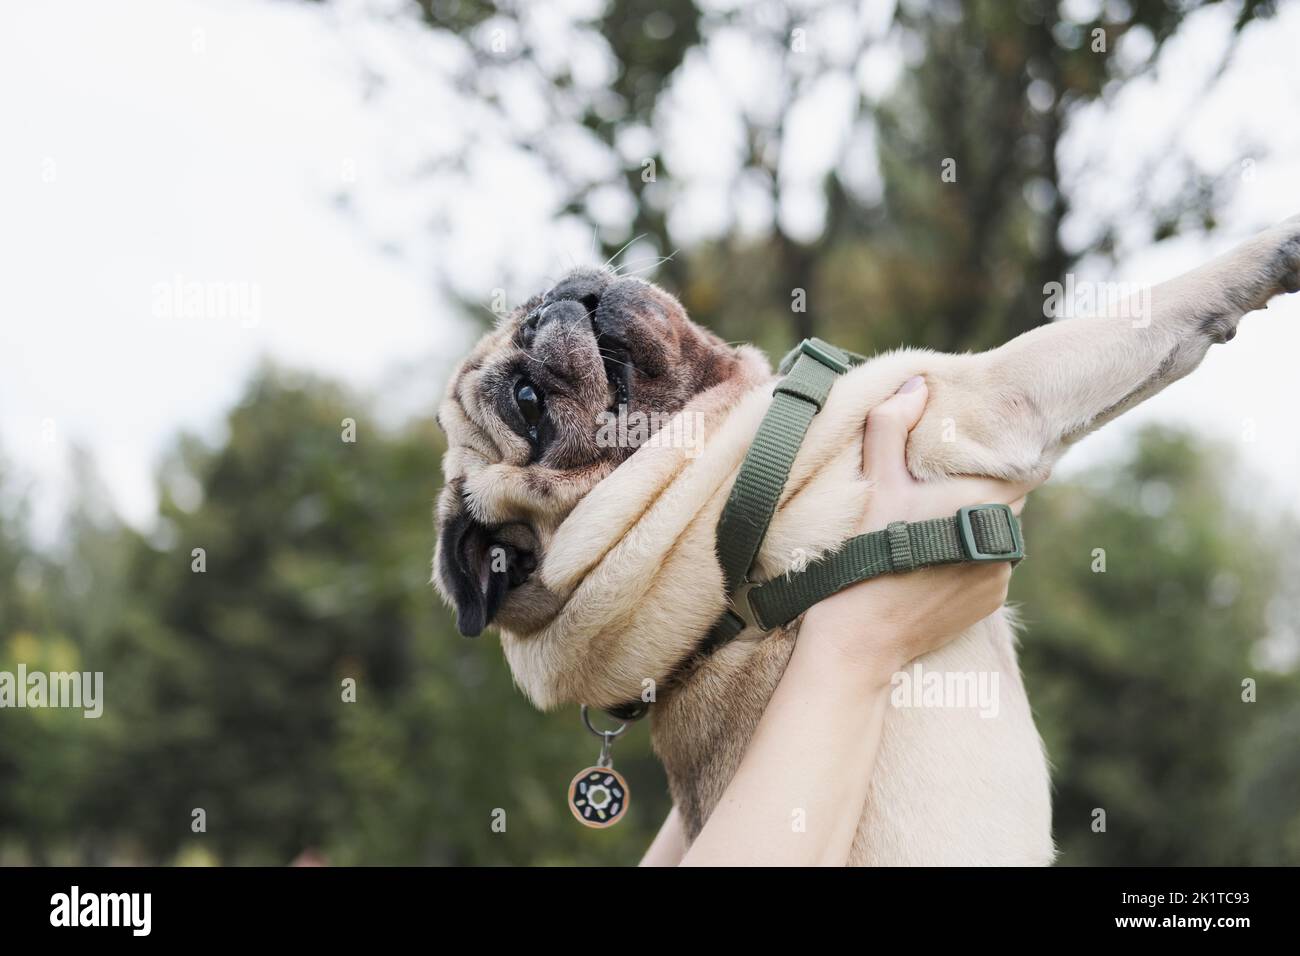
column 881, row 624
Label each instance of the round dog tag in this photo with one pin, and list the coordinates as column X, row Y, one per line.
column 598, row 796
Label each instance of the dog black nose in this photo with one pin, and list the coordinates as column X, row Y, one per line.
column 559, row 313
column 564, row 310
column 584, row 285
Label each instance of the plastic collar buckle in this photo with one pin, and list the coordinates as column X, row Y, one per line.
column 968, row 534
column 813, row 348
column 738, row 604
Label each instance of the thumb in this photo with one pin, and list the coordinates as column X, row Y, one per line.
column 885, row 443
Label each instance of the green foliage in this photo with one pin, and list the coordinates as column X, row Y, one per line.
column 902, row 255
column 224, row 688
column 1146, row 600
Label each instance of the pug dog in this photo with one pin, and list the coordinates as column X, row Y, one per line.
column 592, row 549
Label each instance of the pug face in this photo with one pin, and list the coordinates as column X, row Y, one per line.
column 523, row 416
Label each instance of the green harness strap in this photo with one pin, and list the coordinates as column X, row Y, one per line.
column 976, row 533
column 809, row 371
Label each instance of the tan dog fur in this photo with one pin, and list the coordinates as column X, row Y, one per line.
column 629, row 582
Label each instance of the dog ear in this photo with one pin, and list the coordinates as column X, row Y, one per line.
column 466, row 568
column 476, row 569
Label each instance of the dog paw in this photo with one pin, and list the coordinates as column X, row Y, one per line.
column 1279, row 257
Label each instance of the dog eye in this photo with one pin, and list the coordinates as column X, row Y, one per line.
column 530, row 405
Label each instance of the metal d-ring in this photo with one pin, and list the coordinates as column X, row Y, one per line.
column 607, row 737
column 586, row 719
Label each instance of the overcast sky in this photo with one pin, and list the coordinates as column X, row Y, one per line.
column 149, row 145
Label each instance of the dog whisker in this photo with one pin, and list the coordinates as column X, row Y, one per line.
column 611, row 358
column 609, row 262
column 650, row 264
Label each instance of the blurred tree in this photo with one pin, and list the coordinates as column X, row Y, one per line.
column 226, row 684
column 43, row 751
column 833, row 124
column 1146, row 604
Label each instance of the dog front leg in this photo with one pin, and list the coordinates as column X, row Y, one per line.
column 1011, row 412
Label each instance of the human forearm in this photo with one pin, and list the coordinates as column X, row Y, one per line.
column 799, row 791
column 669, row 844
